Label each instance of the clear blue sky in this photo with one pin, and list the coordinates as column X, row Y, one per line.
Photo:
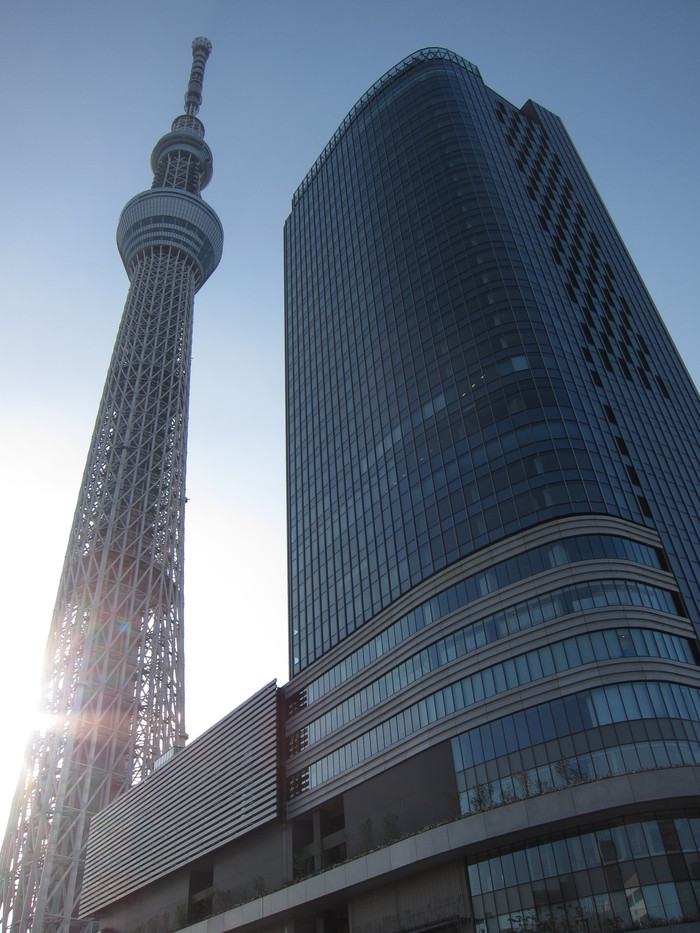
column 88, row 88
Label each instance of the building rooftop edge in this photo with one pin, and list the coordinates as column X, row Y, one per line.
column 422, row 55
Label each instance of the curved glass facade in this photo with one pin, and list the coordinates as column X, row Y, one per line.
column 493, row 460
column 449, row 274
column 468, row 692
column 593, row 734
column 557, row 657
column 622, row 875
column 500, row 574
column 391, row 697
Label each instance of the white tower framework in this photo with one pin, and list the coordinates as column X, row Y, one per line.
column 113, row 679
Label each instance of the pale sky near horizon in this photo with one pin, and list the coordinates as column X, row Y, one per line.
column 88, row 88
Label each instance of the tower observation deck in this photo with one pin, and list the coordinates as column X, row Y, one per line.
column 113, row 675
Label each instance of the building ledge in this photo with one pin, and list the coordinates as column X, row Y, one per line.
column 574, row 806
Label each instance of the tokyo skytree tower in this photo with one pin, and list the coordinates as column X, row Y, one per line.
column 113, row 677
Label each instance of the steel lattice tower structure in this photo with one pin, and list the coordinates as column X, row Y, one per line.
column 113, row 680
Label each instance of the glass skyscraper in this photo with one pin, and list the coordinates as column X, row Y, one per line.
column 470, row 352
column 493, row 717
column 493, row 488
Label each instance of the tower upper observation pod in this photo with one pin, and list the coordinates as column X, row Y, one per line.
column 113, row 677
column 172, row 212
